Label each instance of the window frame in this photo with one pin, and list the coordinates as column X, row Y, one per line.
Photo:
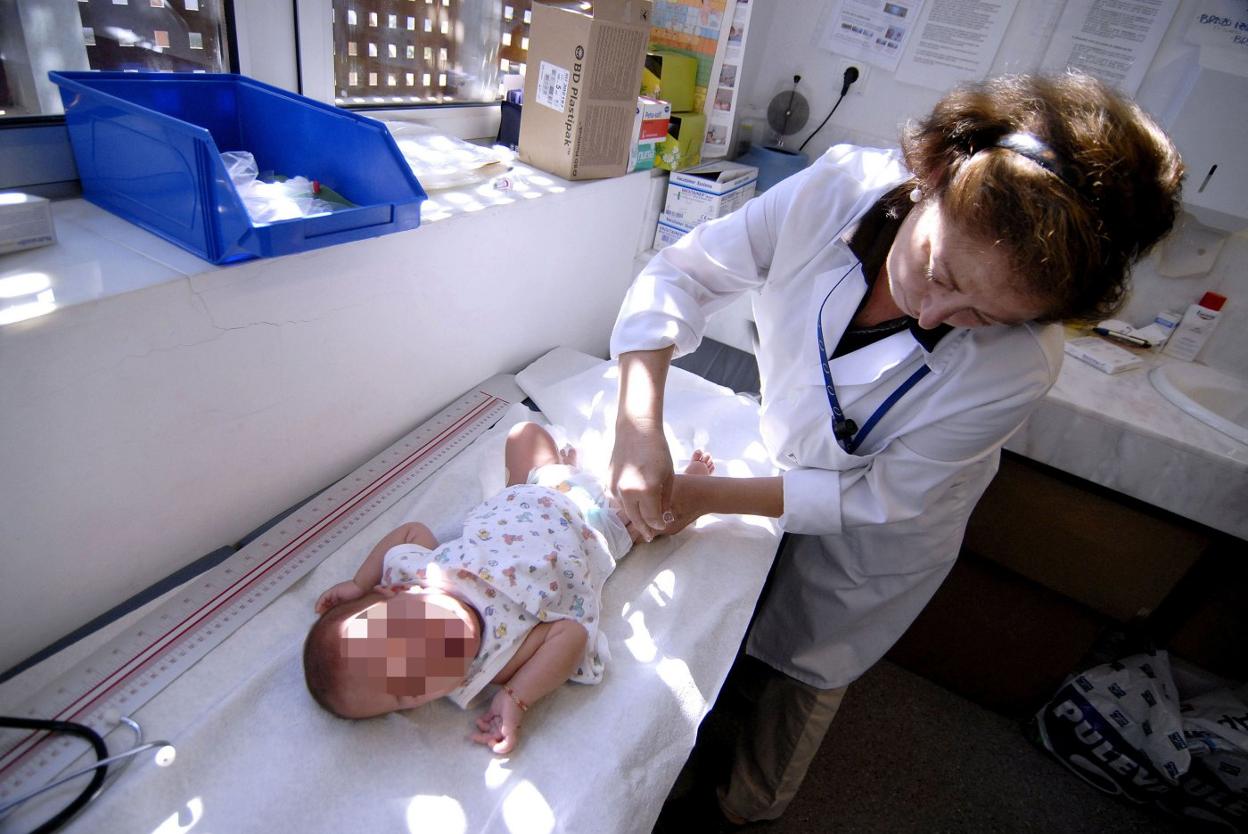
column 295, row 53
column 312, row 20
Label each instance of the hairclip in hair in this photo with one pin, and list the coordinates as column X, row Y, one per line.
column 1030, row 146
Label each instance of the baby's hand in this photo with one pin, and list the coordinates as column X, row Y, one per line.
column 500, row 725
column 389, row 591
column 340, row 593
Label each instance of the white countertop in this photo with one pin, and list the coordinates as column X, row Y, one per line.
column 98, row 255
column 1119, row 432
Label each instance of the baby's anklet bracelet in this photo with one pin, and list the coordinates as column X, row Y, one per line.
column 511, row 693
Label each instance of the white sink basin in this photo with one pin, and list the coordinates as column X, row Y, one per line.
column 1213, row 397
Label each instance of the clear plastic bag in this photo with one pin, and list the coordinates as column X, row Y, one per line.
column 442, row 161
column 268, row 202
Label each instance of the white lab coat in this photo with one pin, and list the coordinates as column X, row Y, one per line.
column 886, row 523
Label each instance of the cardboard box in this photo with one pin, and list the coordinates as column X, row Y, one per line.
column 671, row 76
column 666, row 233
column 25, row 222
column 642, row 157
column 649, row 127
column 707, row 191
column 580, row 90
column 682, row 147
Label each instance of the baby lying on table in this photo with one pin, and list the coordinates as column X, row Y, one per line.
column 514, row 601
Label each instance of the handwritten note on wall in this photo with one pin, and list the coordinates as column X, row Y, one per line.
column 1219, row 23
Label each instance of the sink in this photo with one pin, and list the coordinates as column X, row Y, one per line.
column 1211, row 396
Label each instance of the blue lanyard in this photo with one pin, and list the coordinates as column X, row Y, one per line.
column 845, row 430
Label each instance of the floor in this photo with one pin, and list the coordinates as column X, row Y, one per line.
column 905, row 755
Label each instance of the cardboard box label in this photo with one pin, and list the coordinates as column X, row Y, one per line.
column 665, row 234
column 552, row 86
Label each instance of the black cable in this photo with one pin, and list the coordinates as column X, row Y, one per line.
column 101, row 752
column 847, row 81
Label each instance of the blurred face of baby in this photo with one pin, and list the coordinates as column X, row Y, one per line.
column 406, row 651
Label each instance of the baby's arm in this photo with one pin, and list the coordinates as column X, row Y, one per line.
column 369, row 573
column 545, row 660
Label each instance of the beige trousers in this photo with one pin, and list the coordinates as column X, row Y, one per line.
column 785, row 723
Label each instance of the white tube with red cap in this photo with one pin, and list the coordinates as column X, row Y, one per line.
column 1194, row 330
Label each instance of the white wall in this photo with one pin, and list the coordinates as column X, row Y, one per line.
column 145, row 430
column 783, row 41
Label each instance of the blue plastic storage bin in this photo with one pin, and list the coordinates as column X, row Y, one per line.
column 148, row 148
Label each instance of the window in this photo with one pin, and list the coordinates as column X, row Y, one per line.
column 128, row 35
column 427, row 51
column 414, row 53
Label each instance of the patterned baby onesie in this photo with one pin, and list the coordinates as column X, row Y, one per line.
column 533, row 553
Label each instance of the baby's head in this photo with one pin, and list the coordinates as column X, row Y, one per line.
column 376, row 655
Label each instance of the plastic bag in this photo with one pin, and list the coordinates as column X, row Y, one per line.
column 1216, row 726
column 442, row 161
column 268, row 202
column 1124, row 728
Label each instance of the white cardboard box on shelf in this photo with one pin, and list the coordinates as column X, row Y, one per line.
column 666, row 233
column 708, row 191
column 25, row 222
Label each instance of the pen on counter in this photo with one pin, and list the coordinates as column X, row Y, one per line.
column 1134, row 341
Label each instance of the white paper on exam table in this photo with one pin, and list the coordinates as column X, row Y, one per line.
column 255, row 753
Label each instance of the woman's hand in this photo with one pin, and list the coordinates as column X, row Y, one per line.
column 340, row 593
column 642, row 476
column 500, row 724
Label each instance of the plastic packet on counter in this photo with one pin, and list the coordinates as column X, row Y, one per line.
column 284, row 199
column 442, row 161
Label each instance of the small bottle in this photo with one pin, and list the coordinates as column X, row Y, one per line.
column 1194, row 330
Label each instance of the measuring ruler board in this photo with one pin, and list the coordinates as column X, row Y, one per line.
column 133, row 667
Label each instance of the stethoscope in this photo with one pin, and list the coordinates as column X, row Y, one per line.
column 846, row 431
column 99, row 770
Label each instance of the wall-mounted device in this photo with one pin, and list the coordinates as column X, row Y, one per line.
column 787, row 113
column 1208, row 120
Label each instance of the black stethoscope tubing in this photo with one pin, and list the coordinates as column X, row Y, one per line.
column 846, row 431
column 100, row 771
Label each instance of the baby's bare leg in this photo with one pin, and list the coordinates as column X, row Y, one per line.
column 528, row 447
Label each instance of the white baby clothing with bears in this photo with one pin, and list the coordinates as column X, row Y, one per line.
column 533, row 553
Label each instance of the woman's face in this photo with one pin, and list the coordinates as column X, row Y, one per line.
column 937, row 274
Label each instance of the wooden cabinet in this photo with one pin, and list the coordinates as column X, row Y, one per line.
column 1051, row 563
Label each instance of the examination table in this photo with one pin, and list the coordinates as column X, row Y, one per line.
column 254, row 753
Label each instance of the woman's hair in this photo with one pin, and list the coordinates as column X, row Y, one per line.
column 1072, row 228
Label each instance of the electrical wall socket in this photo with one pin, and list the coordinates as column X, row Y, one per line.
column 859, row 87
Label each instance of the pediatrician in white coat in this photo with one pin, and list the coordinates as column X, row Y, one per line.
column 906, row 304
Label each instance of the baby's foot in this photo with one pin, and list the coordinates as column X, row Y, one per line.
column 701, row 464
column 567, row 455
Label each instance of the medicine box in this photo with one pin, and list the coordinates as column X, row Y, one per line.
column 580, row 88
column 1101, row 355
column 25, row 222
column 649, row 127
column 671, row 76
column 148, row 148
column 707, row 191
column 682, row 147
column 665, row 233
